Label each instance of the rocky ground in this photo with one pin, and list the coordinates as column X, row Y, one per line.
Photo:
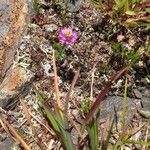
column 92, row 54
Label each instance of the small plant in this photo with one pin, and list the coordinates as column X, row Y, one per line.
column 36, row 6
column 129, row 12
column 126, row 52
column 59, row 117
column 125, row 135
column 85, row 105
column 59, row 51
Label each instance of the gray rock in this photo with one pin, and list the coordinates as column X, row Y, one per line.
column 112, row 107
column 145, row 110
column 137, row 93
column 144, row 113
column 73, row 5
column 146, row 103
column 6, row 144
column 50, row 27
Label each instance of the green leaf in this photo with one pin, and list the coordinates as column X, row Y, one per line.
column 66, row 136
column 92, row 129
column 118, row 145
column 59, row 51
column 126, row 5
column 85, row 105
column 36, row 6
column 97, row 3
column 119, row 4
column 124, row 111
column 130, row 13
column 65, row 133
column 137, row 142
column 147, row 10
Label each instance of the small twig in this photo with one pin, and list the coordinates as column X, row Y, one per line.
column 16, row 135
column 2, row 110
column 26, row 110
column 5, row 128
column 71, row 88
column 33, row 116
column 146, row 19
column 56, row 87
column 92, row 82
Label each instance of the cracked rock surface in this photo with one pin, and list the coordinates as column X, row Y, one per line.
column 13, row 22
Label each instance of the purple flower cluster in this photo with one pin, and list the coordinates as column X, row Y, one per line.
column 68, row 36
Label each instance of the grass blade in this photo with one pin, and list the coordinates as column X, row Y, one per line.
column 138, row 142
column 106, row 143
column 124, row 106
column 92, row 129
column 56, row 87
column 65, row 132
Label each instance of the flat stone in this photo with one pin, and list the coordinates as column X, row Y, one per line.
column 145, row 110
column 137, row 93
column 7, row 143
column 112, row 107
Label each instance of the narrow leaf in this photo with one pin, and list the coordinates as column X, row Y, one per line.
column 102, row 95
column 130, row 13
column 124, row 105
column 92, row 129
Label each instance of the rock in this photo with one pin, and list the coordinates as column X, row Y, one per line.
column 12, row 23
column 6, row 144
column 50, row 27
column 16, row 83
column 145, row 110
column 144, row 113
column 146, row 103
column 146, row 92
column 112, row 107
column 137, row 93
column 73, row 5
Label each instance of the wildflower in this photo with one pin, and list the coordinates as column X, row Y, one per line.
column 127, row 46
column 67, row 35
column 120, row 37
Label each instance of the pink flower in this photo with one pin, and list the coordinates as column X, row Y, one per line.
column 67, row 35
column 127, row 46
column 120, row 37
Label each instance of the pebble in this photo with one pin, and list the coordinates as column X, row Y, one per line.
column 23, row 46
column 144, row 113
column 137, row 93
column 50, row 27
